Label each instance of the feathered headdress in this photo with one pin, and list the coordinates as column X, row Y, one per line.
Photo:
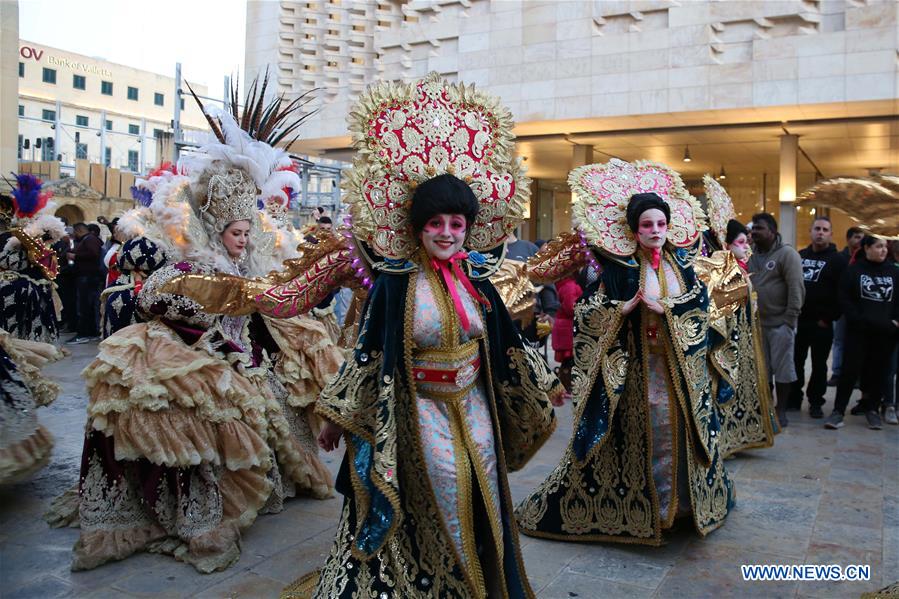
column 28, row 195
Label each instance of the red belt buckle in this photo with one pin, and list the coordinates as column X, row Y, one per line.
column 460, row 377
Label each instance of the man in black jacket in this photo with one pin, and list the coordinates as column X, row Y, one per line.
column 853, row 242
column 822, row 267
column 88, row 282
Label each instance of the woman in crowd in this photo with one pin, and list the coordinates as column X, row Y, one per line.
column 645, row 445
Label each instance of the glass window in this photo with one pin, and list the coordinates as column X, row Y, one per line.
column 106, row 88
column 107, row 158
column 157, row 133
column 49, row 75
column 132, row 160
column 47, row 150
column 79, row 82
column 81, row 121
column 21, row 69
column 81, row 151
column 21, row 142
column 182, row 103
column 159, row 99
column 132, row 93
column 134, row 129
column 48, row 115
column 21, row 110
column 109, row 125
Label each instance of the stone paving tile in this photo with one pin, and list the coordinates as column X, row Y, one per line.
column 247, row 585
column 577, row 584
column 43, row 587
column 831, row 553
column 293, row 562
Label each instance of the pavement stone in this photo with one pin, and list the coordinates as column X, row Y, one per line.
column 816, row 497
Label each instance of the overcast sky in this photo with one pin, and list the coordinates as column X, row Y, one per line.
column 205, row 36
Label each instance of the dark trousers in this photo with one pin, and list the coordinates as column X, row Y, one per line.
column 810, row 336
column 87, row 291
column 866, row 354
column 891, row 383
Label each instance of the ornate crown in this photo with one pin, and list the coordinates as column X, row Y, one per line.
column 721, row 208
column 602, row 193
column 408, row 133
column 230, row 196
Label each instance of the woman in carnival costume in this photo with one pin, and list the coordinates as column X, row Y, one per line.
column 645, row 446
column 137, row 257
column 192, row 430
column 440, row 397
column 736, row 362
column 28, row 299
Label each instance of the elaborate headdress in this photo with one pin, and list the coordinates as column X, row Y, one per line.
column 28, row 212
column 405, row 134
column 720, row 208
column 602, row 193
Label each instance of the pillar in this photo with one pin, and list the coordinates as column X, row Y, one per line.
column 789, row 164
column 9, row 88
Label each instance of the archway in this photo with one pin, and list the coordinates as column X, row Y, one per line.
column 70, row 213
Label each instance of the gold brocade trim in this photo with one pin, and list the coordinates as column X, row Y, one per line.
column 765, row 398
column 465, row 351
column 652, row 542
column 653, row 491
column 11, row 275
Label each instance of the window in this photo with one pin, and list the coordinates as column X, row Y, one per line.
column 81, row 121
column 48, row 115
column 106, row 88
column 109, row 125
column 49, row 75
column 21, row 110
column 47, row 150
column 21, row 69
column 81, row 151
column 132, row 93
column 79, row 82
column 182, row 103
column 159, row 99
column 107, row 158
column 21, row 142
column 132, row 160
column 134, row 129
column 157, row 133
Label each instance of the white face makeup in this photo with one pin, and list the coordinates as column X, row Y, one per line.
column 740, row 246
column 443, row 235
column 652, row 228
column 235, row 237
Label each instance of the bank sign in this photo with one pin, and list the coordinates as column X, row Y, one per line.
column 38, row 55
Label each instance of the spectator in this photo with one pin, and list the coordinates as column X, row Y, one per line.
column 777, row 277
column 853, row 241
column 891, row 382
column 547, row 299
column 88, row 281
column 65, row 281
column 869, row 297
column 563, row 329
column 822, row 267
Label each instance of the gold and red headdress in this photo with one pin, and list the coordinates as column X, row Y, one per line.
column 602, row 193
column 720, row 208
column 405, row 134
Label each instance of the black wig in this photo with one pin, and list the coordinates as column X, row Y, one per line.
column 734, row 229
column 444, row 194
column 640, row 203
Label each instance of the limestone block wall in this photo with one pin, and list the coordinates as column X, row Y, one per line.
column 574, row 59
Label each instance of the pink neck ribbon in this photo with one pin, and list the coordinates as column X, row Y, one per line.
column 443, row 267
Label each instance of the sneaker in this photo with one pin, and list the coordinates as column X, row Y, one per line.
column 889, row 415
column 857, row 409
column 833, row 381
column 816, row 412
column 77, row 340
column 874, row 422
column 834, row 421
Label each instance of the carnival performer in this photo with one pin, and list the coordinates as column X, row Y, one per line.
column 645, row 445
column 440, row 397
column 28, row 266
column 191, row 432
column 736, row 360
column 25, row 445
column 137, row 256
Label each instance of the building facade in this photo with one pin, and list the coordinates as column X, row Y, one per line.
column 74, row 107
column 768, row 96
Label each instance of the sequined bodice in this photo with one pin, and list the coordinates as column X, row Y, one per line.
column 429, row 328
